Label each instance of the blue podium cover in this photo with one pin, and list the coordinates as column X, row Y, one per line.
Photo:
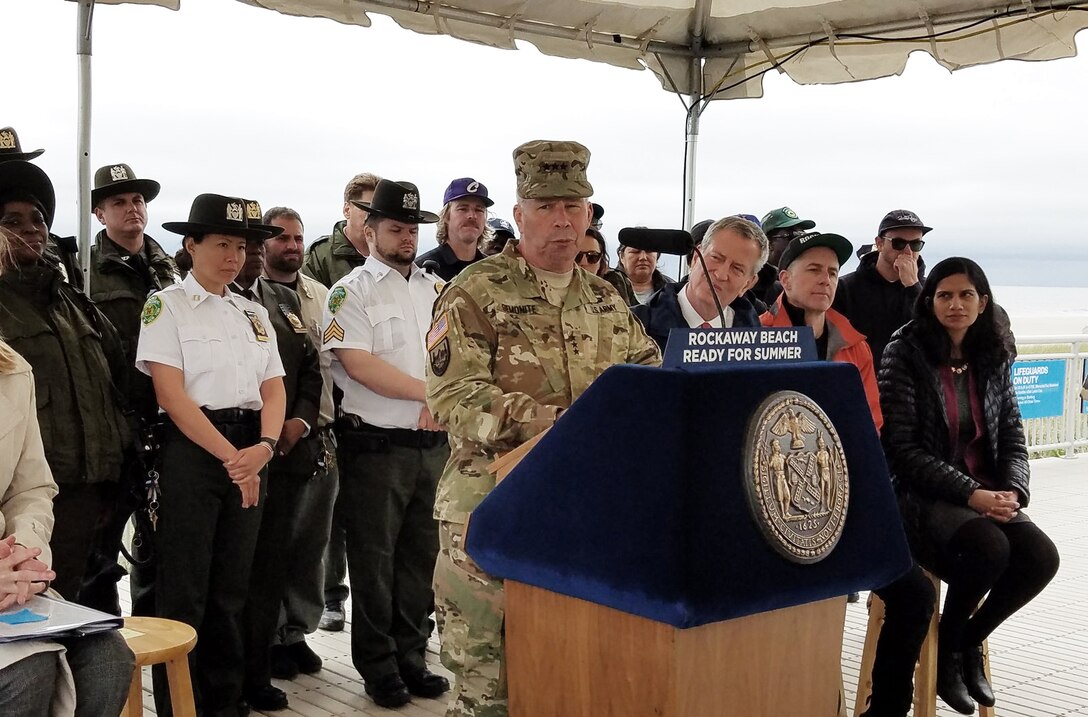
column 635, row 499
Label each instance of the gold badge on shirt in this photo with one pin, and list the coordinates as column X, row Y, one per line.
column 258, row 328
column 293, row 319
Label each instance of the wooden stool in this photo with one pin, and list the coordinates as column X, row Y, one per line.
column 154, row 641
column 925, row 676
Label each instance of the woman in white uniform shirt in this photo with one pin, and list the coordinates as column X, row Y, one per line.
column 217, row 374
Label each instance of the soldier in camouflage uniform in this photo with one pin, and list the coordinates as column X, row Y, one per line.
column 516, row 338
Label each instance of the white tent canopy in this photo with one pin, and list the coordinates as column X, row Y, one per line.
column 704, row 50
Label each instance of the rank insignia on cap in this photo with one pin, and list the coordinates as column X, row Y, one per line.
column 411, row 200
column 7, row 140
column 118, row 173
column 253, row 211
column 334, row 332
column 234, row 211
column 151, row 311
column 336, row 298
column 438, row 331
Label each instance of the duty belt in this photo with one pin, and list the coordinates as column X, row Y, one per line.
column 351, row 426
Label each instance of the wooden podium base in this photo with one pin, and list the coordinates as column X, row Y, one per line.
column 571, row 658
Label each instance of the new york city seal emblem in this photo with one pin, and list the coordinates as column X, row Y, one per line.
column 795, row 477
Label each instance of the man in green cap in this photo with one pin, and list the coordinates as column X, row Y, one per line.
column 781, row 226
column 515, row 339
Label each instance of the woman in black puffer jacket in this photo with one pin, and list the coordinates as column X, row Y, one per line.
column 955, row 445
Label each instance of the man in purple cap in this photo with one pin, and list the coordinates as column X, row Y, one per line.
column 878, row 297
column 462, row 227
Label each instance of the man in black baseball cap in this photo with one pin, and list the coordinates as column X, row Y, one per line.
column 879, row 296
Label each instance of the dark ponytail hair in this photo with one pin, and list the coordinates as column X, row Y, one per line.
column 987, row 340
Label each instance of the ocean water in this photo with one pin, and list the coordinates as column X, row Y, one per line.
column 1045, row 310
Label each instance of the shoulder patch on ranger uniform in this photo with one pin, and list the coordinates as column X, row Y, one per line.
column 438, row 331
column 336, row 298
column 440, row 356
column 151, row 311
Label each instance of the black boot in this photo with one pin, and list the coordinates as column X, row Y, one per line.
column 974, row 677
column 950, row 687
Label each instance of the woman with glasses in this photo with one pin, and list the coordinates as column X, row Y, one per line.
column 955, row 445
column 593, row 257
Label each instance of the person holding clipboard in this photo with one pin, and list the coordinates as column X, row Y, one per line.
column 213, row 360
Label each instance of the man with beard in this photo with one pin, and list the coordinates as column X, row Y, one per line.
column 293, row 461
column 126, row 267
column 462, row 228
column 392, row 449
column 303, row 597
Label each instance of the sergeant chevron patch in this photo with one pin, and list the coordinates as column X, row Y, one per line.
column 333, row 333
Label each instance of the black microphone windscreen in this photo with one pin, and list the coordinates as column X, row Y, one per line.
column 430, row 266
column 666, row 241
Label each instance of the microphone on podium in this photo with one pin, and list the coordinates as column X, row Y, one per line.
column 669, row 241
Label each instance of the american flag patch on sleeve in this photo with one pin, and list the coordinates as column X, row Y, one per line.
column 438, row 331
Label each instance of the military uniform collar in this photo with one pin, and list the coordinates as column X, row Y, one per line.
column 579, row 292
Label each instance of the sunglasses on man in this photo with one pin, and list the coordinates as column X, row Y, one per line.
column 901, row 244
column 591, row 256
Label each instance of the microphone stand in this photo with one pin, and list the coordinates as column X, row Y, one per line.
column 710, row 283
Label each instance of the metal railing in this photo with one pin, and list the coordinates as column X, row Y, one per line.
column 1067, row 433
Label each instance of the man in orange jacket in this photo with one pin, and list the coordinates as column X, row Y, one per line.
column 809, row 272
column 809, row 275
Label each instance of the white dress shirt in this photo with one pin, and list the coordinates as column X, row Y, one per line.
column 375, row 309
column 694, row 319
column 225, row 345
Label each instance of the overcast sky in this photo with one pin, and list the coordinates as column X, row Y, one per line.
column 222, row 97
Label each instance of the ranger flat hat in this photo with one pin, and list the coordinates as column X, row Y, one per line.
column 799, row 245
column 21, row 176
column 255, row 218
column 118, row 179
column 217, row 214
column 10, row 149
column 397, row 200
column 549, row 168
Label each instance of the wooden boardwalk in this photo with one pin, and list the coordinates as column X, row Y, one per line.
column 1039, row 657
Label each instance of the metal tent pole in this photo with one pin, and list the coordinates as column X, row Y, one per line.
column 83, row 140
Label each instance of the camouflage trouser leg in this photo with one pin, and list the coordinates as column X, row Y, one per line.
column 469, row 609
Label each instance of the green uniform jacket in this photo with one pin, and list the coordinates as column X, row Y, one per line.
column 332, row 257
column 302, row 372
column 120, row 291
column 504, row 361
column 79, row 372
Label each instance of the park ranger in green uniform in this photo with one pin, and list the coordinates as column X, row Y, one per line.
column 126, row 267
column 516, row 338
column 333, row 256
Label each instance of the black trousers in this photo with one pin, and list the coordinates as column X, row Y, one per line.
column 81, row 513
column 272, row 562
column 908, row 608
column 204, row 544
column 388, row 492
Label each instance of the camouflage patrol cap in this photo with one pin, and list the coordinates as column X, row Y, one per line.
column 548, row 168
